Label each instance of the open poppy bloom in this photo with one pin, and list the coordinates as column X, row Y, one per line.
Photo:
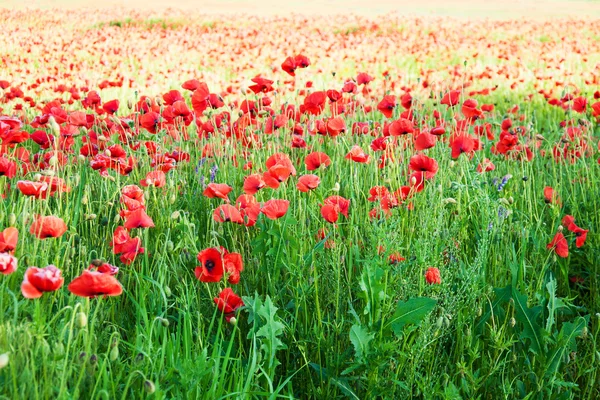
column 427, row 165
column 228, row 213
column 48, row 227
column 559, row 245
column 127, row 247
column 211, row 265
column 8, row 263
column 138, row 219
column 219, row 190
column 550, row 196
column 432, row 276
column 580, row 233
column 95, row 283
column 228, row 302
column 315, row 160
column 154, row 178
column 333, row 206
column 274, row 209
column 308, row 182
column 40, row 280
column 8, row 240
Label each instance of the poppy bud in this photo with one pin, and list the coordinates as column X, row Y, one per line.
column 173, row 198
column 90, row 217
column 560, row 228
column 164, row 322
column 467, row 331
column 114, row 354
column 107, row 153
column 139, row 358
column 82, row 356
column 12, row 219
column 175, row 215
column 48, row 172
column 149, row 387
column 539, row 137
column 84, row 199
column 168, row 292
column 512, row 322
column 81, row 158
column 503, row 201
column 37, row 177
column 452, row 164
column 584, row 332
column 81, row 319
column 336, row 187
column 233, row 321
column 54, row 126
column 59, row 351
column 4, row 360
column 117, row 218
column 439, row 323
column 53, row 161
column 511, row 200
column 129, row 104
column 448, row 200
column 93, row 359
column 170, row 245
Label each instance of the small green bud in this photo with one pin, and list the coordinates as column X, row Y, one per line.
column 149, row 387
column 4, row 359
column 81, row 320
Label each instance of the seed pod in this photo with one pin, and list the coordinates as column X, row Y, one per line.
column 114, row 354
column 4, row 359
column 90, row 217
column 512, row 322
column 93, row 359
column 149, row 387
column 175, row 215
column 81, row 320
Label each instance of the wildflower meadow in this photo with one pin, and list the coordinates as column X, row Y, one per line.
column 294, row 206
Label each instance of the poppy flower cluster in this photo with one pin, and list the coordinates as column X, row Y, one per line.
column 215, row 263
column 559, row 243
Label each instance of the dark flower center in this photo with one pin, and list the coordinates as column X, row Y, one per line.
column 209, row 265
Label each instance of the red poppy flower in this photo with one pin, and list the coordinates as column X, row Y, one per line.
column 358, row 155
column 363, row 78
column 432, row 276
column 421, row 162
column 124, row 245
column 569, row 222
column 94, row 283
column 333, row 206
column 8, row 263
column 211, row 265
column 401, row 126
column 7, row 168
column 308, row 182
column 395, row 258
column 314, row 103
column 274, row 209
column 253, row 183
column 579, row 104
column 451, row 98
column 219, row 190
column 228, row 213
column 550, row 196
column 39, row 190
column 138, row 219
column 560, row 245
column 132, row 197
column 154, row 178
column 228, row 302
column 485, row 166
column 8, row 240
column 283, row 160
column 315, row 160
column 387, row 105
column 425, row 141
column 462, row 144
column 335, row 126
column 150, row 121
column 233, row 264
column 40, row 280
column 46, row 227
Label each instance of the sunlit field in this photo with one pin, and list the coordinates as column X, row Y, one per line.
column 397, row 202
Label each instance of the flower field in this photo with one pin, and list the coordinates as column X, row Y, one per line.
column 335, row 206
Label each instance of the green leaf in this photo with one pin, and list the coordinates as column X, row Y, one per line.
column 527, row 316
column 412, row 311
column 372, row 289
column 565, row 343
column 360, row 338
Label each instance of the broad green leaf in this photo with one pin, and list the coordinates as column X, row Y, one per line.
column 502, row 296
column 565, row 343
column 360, row 338
column 526, row 316
column 412, row 311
